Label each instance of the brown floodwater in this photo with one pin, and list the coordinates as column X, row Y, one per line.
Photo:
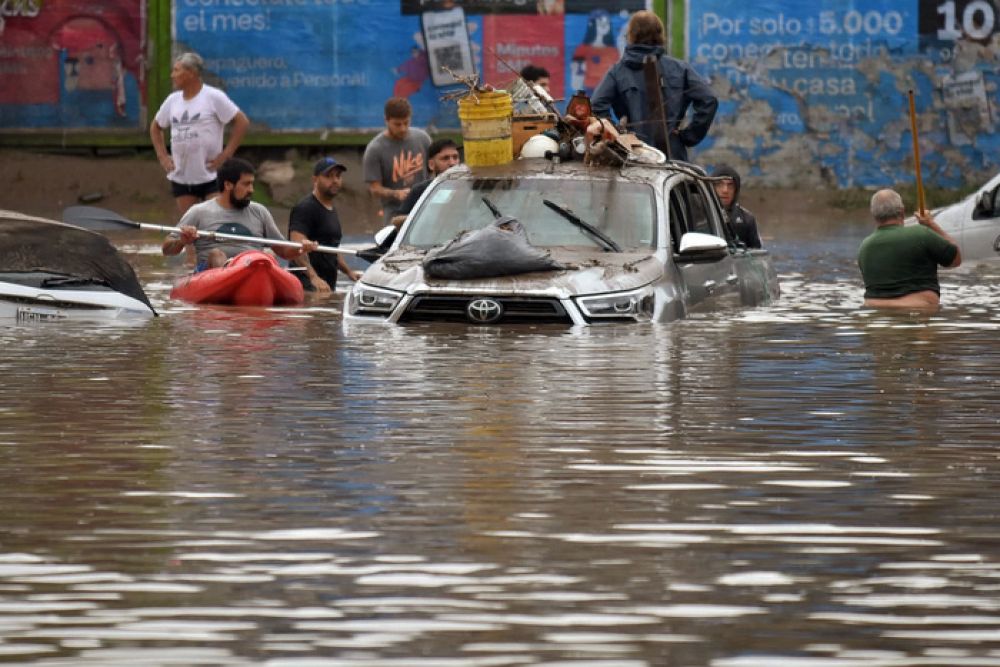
column 803, row 485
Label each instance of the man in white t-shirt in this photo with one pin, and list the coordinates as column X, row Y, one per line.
column 196, row 114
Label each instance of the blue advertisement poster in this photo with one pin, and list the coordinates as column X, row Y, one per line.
column 298, row 65
column 821, row 87
column 311, row 64
column 314, row 65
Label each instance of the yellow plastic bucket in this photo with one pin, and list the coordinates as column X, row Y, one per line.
column 486, row 128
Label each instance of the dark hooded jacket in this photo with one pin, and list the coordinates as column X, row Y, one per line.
column 743, row 222
column 623, row 91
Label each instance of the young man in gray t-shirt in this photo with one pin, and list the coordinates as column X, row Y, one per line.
column 394, row 159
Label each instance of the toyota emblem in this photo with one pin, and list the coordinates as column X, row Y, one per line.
column 484, row 311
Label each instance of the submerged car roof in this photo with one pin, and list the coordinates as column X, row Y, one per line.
column 542, row 168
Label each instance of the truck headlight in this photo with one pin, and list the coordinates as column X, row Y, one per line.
column 634, row 304
column 368, row 300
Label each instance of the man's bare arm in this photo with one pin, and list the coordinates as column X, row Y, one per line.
column 239, row 130
column 160, row 146
column 927, row 220
column 303, row 260
column 376, row 189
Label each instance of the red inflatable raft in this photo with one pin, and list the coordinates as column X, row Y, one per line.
column 252, row 278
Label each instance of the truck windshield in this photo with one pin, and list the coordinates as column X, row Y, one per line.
column 621, row 210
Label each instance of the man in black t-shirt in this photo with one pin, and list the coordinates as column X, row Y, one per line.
column 314, row 217
column 442, row 155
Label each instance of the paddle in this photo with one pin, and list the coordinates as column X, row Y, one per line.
column 916, row 155
column 98, row 219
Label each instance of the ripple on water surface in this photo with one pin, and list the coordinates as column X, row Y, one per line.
column 798, row 485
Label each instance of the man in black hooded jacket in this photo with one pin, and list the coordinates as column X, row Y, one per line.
column 623, row 90
column 742, row 221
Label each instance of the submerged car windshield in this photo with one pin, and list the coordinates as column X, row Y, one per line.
column 623, row 211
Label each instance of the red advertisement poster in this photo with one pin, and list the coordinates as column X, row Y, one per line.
column 522, row 40
column 72, row 63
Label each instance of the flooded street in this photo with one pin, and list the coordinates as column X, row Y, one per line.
column 804, row 485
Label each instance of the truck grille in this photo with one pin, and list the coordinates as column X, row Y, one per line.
column 515, row 309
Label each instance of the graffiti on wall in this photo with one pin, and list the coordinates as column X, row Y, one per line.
column 71, row 64
column 816, row 93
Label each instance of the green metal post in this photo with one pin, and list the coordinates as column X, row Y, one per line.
column 678, row 21
column 160, row 33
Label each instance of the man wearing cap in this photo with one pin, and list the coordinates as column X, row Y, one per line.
column 314, row 217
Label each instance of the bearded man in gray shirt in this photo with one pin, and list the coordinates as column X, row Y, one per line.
column 231, row 212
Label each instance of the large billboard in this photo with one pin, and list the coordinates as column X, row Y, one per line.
column 72, row 64
column 317, row 65
column 295, row 65
column 818, row 91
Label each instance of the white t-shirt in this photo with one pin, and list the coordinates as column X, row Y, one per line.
column 195, row 131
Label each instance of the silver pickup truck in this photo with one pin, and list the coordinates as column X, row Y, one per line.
column 637, row 244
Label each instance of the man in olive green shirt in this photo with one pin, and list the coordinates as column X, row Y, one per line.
column 899, row 262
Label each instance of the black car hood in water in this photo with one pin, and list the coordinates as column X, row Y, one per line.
column 36, row 244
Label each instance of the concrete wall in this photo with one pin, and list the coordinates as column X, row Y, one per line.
column 815, row 94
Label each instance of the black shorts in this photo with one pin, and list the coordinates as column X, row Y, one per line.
column 200, row 190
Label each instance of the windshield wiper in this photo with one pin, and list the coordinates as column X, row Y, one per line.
column 73, row 281
column 606, row 241
column 493, row 208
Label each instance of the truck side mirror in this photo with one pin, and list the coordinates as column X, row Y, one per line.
column 696, row 246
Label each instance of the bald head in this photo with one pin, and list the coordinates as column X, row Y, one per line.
column 886, row 206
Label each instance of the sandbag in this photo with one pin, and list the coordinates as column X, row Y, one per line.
column 500, row 249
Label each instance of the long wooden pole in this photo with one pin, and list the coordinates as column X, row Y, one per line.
column 916, row 155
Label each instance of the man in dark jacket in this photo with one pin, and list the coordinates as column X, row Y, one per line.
column 623, row 90
column 742, row 221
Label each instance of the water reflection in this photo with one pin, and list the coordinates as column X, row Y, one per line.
column 805, row 484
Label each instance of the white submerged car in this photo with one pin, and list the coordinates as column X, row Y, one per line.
column 39, row 296
column 50, row 271
column 636, row 243
column 974, row 222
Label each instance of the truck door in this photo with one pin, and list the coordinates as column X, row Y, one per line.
column 710, row 280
